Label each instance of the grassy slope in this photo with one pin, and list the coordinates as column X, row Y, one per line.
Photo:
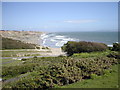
column 109, row 80
column 99, row 82
column 19, row 53
column 8, row 43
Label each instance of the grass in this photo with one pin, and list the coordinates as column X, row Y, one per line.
column 16, row 62
column 92, row 54
column 10, row 62
column 109, row 80
column 21, row 53
column 41, row 67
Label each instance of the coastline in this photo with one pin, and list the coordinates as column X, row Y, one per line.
column 33, row 37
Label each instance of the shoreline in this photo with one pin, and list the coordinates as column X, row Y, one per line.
column 34, row 38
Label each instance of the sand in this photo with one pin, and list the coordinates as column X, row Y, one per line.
column 55, row 52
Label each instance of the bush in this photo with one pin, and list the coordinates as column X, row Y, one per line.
column 116, row 47
column 77, row 47
column 114, row 54
column 48, row 72
column 67, row 71
column 23, row 59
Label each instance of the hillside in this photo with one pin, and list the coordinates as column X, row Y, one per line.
column 51, row 72
column 8, row 43
column 24, row 36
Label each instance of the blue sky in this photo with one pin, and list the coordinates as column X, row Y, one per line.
column 60, row 16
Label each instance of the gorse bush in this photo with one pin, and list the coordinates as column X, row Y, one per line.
column 114, row 55
column 49, row 72
column 116, row 47
column 77, row 47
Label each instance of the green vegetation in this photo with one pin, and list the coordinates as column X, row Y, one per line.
column 92, row 54
column 8, row 43
column 20, row 53
column 116, row 47
column 109, row 80
column 89, row 65
column 10, row 62
column 50, row 72
column 114, row 55
column 72, row 47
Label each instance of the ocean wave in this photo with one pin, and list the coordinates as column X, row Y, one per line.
column 43, row 36
column 55, row 40
column 110, row 45
column 61, row 43
column 59, row 36
column 44, row 41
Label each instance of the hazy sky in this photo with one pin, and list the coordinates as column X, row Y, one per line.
column 60, row 16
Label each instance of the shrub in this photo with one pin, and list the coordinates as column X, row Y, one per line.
column 93, row 76
column 77, row 47
column 23, row 59
column 48, row 72
column 114, row 54
column 116, row 47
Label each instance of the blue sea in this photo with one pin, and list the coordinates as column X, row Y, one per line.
column 58, row 39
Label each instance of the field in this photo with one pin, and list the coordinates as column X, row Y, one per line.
column 84, row 70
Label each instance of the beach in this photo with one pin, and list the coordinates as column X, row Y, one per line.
column 33, row 37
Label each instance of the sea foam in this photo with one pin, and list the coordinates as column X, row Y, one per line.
column 54, row 40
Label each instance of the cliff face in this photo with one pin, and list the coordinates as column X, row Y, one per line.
column 24, row 36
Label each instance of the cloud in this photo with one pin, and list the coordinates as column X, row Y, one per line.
column 79, row 21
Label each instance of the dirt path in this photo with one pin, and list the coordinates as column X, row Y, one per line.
column 8, row 62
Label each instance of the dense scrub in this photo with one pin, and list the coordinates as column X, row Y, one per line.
column 114, row 55
column 8, row 43
column 77, row 47
column 48, row 72
column 116, row 47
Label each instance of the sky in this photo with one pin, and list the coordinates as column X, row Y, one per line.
column 60, row 16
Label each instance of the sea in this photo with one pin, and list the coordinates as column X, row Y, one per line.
column 58, row 39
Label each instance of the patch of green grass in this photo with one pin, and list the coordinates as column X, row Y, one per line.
column 92, row 54
column 21, row 53
column 16, row 62
column 109, row 80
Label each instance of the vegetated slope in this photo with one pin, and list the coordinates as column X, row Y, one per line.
column 24, row 36
column 8, row 43
column 109, row 80
column 48, row 72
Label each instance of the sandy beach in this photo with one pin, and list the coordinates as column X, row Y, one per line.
column 54, row 52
